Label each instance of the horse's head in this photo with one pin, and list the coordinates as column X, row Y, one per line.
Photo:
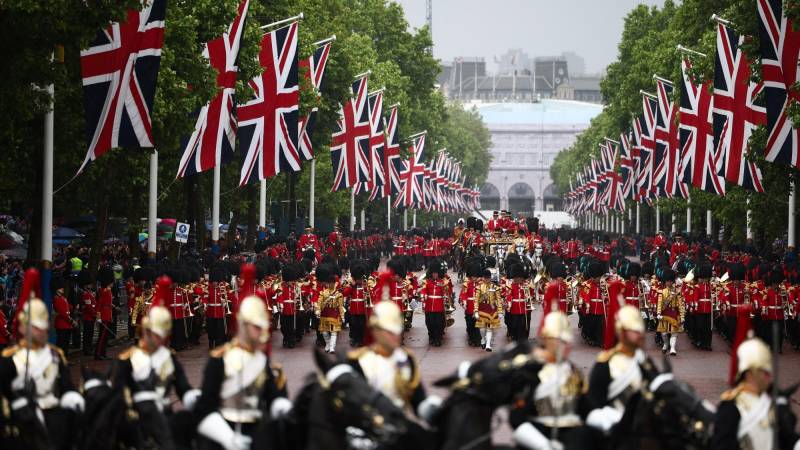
column 96, row 383
column 672, row 395
column 496, row 378
column 356, row 406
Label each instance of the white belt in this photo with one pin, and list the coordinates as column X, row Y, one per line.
column 704, row 300
column 240, row 415
column 774, row 307
column 356, row 300
column 213, row 304
column 519, row 300
column 631, row 298
column 146, row 396
column 435, row 296
column 565, row 421
column 596, row 300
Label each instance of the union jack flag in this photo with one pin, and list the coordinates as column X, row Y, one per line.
column 735, row 113
column 315, row 65
column 392, row 164
column 377, row 143
column 698, row 156
column 412, row 177
column 350, row 144
column 214, row 137
column 780, row 51
column 628, row 163
column 645, row 129
column 119, row 71
column 268, row 123
column 666, row 135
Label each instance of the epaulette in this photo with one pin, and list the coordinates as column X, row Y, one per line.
column 730, row 394
column 126, row 354
column 59, row 352
column 605, row 355
column 280, row 375
column 357, row 353
column 9, row 352
column 219, row 352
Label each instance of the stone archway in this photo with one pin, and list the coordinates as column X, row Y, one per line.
column 552, row 201
column 521, row 198
column 490, row 197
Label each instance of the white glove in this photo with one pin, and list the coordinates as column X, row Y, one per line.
column 659, row 317
column 528, row 436
column 476, row 316
column 214, row 427
column 428, row 407
column 501, row 316
column 280, row 408
column 603, row 418
column 72, row 400
column 189, row 398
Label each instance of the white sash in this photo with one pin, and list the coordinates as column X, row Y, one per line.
column 754, row 415
column 619, row 384
column 244, row 378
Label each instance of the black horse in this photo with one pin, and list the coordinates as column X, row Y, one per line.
column 105, row 422
column 672, row 417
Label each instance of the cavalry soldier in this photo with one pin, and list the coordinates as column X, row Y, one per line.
column 328, row 306
column 747, row 415
column 732, row 298
column 436, row 293
column 358, row 295
column 670, row 312
column 149, row 370
column 518, row 293
column 239, row 383
column 217, row 304
column 391, row 368
column 703, row 308
column 467, row 298
column 770, row 306
column 289, row 299
column 105, row 308
column 489, row 309
column 552, row 401
column 618, row 373
column 36, row 383
column 308, row 241
column 594, row 298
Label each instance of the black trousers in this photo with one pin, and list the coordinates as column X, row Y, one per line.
column 196, row 329
column 593, row 329
column 434, row 321
column 730, row 327
column 793, row 332
column 473, row 334
column 178, row 340
column 358, row 323
column 62, row 339
column 287, row 329
column 764, row 331
column 102, row 340
column 88, row 336
column 517, row 326
column 216, row 332
column 702, row 330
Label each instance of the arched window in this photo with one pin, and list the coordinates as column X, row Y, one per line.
column 520, row 198
column 490, row 197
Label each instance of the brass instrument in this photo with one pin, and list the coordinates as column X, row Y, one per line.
column 371, row 283
column 140, row 305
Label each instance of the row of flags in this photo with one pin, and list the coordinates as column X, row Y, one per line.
column 120, row 69
column 701, row 138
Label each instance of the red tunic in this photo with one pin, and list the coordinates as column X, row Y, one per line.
column 4, row 334
column 593, row 299
column 104, row 310
column 687, row 292
column 62, row 310
column 556, row 291
column 287, row 298
column 732, row 298
column 517, row 296
column 771, row 306
column 89, row 305
column 357, row 295
column 702, row 298
column 467, row 297
column 213, row 301
column 434, row 293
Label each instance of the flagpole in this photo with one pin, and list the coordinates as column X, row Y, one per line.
column 708, row 222
column 622, row 223
column 47, row 182
column 353, row 209
column 311, row 182
column 749, row 220
column 638, row 217
column 658, row 218
column 389, row 212
column 414, row 219
column 281, row 22
column 215, row 205
column 689, row 214
column 791, row 229
column 262, row 205
column 152, row 206
column 405, row 219
column 673, row 225
column 363, row 224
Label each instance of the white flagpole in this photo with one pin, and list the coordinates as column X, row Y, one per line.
column 414, row 219
column 749, row 220
column 389, row 212
column 674, row 226
column 152, row 206
column 215, row 204
column 658, row 218
column 689, row 215
column 311, row 182
column 363, row 220
column 708, row 222
column 262, row 205
column 353, row 209
column 405, row 219
column 638, row 217
column 622, row 223
column 47, row 182
column 791, row 229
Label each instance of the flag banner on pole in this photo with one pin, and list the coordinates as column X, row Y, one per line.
column 214, row 137
column 645, row 155
column 698, row 156
column 780, row 52
column 735, row 112
column 649, row 112
column 268, row 123
column 119, row 72
column 666, row 137
column 412, row 177
column 377, row 142
column 315, row 71
column 627, row 164
column 350, row 143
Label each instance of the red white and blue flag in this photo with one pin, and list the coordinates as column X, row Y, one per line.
column 214, row 138
column 350, row 144
column 315, row 71
column 268, row 123
column 377, row 145
column 665, row 176
column 780, row 52
column 412, row 177
column 736, row 115
column 119, row 71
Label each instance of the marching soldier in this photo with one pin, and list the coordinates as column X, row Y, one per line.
column 704, row 308
column 63, row 314
column 631, row 291
column 553, row 402
column 328, row 306
column 747, row 415
column 618, row 373
column 239, row 383
column 149, row 370
column 436, row 293
column 518, row 295
column 732, row 298
column 391, row 368
column 670, row 312
column 177, row 306
column 105, row 309
column 467, row 298
column 35, row 380
column 88, row 314
column 594, row 300
column 289, row 300
column 358, row 295
column 556, row 292
column 489, row 309
column 770, row 305
column 792, row 308
column 400, row 290
column 217, row 304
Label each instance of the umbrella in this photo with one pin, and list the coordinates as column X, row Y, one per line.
column 9, row 239
column 67, row 233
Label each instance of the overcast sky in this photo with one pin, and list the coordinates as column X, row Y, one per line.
column 590, row 28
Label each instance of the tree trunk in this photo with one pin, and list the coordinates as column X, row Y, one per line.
column 252, row 220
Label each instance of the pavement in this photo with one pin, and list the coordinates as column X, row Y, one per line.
column 706, row 371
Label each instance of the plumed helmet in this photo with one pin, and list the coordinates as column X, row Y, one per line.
column 37, row 311
column 557, row 269
column 105, row 276
column 359, row 270
column 634, row 269
column 776, row 275
column 387, row 316
column 474, row 267
column 291, row 272
column 218, row 274
column 753, row 354
column 594, row 269
column 533, row 224
column 158, row 319
column 478, row 225
column 84, row 278
column 556, row 326
column 628, row 318
column 397, row 266
column 57, row 282
column 253, row 311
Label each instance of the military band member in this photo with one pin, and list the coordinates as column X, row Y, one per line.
column 239, row 383
column 593, row 296
column 88, row 311
column 63, row 314
column 554, row 398
column 105, row 309
column 217, row 303
column 468, row 299
column 289, row 299
column 177, row 304
column 391, row 368
column 703, row 308
column 489, row 309
column 358, row 295
column 746, row 416
column 618, row 373
column 670, row 312
column 732, row 297
column 329, row 306
column 770, row 306
column 36, row 382
column 631, row 291
column 149, row 370
column 557, row 290
column 518, row 293
column 436, row 293
column 792, row 309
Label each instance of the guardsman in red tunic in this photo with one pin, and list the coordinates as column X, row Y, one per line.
column 436, row 293
column 308, row 241
column 703, row 308
column 400, row 290
column 594, row 301
column 358, row 298
column 88, row 314
column 518, row 293
column 770, row 307
column 105, row 309
column 631, row 291
column 63, row 312
column 178, row 306
column 467, row 298
column 132, row 290
column 732, row 298
column 687, row 288
column 288, row 297
column 216, row 305
column 555, row 293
